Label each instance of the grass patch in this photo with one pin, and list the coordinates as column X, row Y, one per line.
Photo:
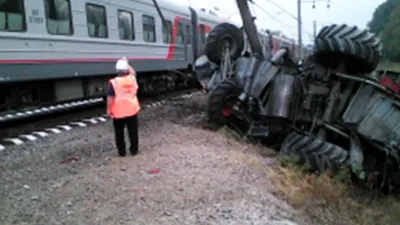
column 300, row 188
column 326, row 198
column 332, row 199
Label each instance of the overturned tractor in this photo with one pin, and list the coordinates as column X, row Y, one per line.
column 330, row 111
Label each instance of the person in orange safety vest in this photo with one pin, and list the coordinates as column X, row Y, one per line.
column 123, row 106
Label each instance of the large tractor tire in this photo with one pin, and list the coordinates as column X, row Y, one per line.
column 319, row 155
column 221, row 100
column 222, row 34
column 358, row 48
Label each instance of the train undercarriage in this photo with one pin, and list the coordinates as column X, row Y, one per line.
column 27, row 99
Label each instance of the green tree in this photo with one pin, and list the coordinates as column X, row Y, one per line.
column 391, row 36
column 381, row 15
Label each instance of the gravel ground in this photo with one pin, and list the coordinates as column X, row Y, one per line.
column 183, row 175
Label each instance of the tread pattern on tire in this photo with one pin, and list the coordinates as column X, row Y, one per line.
column 364, row 47
column 318, row 154
column 217, row 99
column 214, row 41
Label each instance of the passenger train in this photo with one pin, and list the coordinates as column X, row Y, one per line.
column 62, row 50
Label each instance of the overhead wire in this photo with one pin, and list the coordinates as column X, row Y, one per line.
column 274, row 18
column 290, row 14
column 271, row 16
column 303, row 1
column 231, row 15
column 284, row 10
column 310, row 34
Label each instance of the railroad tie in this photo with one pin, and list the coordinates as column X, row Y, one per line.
column 30, row 137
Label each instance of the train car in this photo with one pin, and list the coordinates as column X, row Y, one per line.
column 61, row 50
column 280, row 42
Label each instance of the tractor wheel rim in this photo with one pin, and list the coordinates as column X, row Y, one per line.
column 228, row 105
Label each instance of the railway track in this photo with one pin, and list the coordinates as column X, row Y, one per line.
column 14, row 117
column 72, row 119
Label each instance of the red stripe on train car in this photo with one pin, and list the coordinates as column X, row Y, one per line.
column 69, row 60
column 171, row 50
column 170, row 55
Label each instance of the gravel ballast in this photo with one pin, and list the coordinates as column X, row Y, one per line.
column 183, row 175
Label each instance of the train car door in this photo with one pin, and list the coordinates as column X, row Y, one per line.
column 188, row 42
column 202, row 39
column 195, row 34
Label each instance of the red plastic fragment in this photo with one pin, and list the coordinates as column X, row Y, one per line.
column 153, row 171
column 70, row 159
column 227, row 112
column 390, row 84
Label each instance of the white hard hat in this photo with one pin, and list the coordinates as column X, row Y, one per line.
column 122, row 65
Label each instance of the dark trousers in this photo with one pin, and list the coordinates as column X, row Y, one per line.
column 119, row 127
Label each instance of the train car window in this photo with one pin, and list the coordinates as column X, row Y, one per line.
column 203, row 33
column 189, row 34
column 167, row 32
column 58, row 17
column 96, row 20
column 181, row 34
column 126, row 25
column 12, row 16
column 149, row 28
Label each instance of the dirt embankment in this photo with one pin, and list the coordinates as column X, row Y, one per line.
column 183, row 175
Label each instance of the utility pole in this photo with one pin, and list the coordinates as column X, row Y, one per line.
column 315, row 29
column 299, row 28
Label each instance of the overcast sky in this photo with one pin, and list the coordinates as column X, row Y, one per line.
column 352, row 12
